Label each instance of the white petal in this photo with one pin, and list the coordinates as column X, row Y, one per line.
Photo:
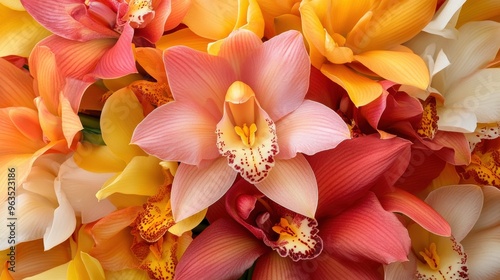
column 461, row 219
column 482, row 250
column 445, row 19
column 456, row 119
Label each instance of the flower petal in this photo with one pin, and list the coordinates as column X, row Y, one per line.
column 309, row 129
column 491, row 208
column 366, row 230
column 481, row 248
column 399, row 67
column 292, row 184
column 17, row 89
column 196, row 188
column 178, row 131
column 420, row 212
column 361, row 89
column 218, row 20
column 278, row 73
column 224, row 250
column 386, row 162
column 273, row 266
column 461, row 219
column 238, row 47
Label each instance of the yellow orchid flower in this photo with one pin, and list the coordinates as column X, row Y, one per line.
column 357, row 42
column 18, row 30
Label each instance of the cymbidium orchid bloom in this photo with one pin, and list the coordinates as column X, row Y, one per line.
column 350, row 236
column 465, row 81
column 356, row 43
column 470, row 252
column 38, row 113
column 19, row 30
column 102, row 32
column 244, row 112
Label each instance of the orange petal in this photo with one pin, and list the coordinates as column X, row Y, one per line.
column 183, row 37
column 212, row 20
column 361, row 90
column 17, row 86
column 399, row 67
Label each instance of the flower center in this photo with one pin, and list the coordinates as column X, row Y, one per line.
column 246, row 135
column 431, row 256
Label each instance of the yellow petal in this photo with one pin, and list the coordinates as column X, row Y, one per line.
column 287, row 22
column 212, row 19
column 187, row 224
column 392, row 23
column 342, row 16
column 58, row 272
column 400, row 67
column 142, row 176
column 19, row 29
column 250, row 17
column 183, row 37
column 313, row 30
column 361, row 90
column 119, row 83
column 97, row 159
column 136, row 274
column 476, row 10
column 120, row 115
column 13, row 4
column 92, row 266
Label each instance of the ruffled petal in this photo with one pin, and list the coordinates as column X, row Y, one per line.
column 224, row 250
column 311, row 128
column 279, row 74
column 292, row 184
column 399, row 67
column 366, row 230
column 178, row 131
column 361, row 89
column 196, row 188
column 461, row 219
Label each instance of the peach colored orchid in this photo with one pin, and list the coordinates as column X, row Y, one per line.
column 241, row 112
column 354, row 43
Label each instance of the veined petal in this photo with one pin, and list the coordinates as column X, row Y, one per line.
column 482, row 258
column 477, row 93
column 239, row 47
column 491, row 208
column 313, row 30
column 179, row 9
column 196, row 188
column 119, row 60
column 420, row 212
column 17, row 89
column 278, row 73
column 309, row 129
column 183, row 37
column 71, row 124
column 224, row 245
column 478, row 11
column 121, row 114
column 148, row 59
column 372, row 232
column 21, row 131
column 392, row 24
column 67, row 18
column 178, row 131
column 399, row 67
column 476, row 46
column 152, row 31
column 461, row 219
column 361, row 89
column 292, row 184
column 196, row 77
column 274, row 266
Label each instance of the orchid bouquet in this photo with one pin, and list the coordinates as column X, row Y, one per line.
column 250, row 139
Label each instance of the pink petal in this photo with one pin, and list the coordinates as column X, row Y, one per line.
column 68, row 19
column 119, row 60
column 196, row 188
column 154, row 30
column 329, row 264
column 198, row 77
column 460, row 151
column 179, row 9
column 291, row 183
column 309, row 129
column 178, row 131
column 238, row 47
column 420, row 212
column 468, row 198
column 279, row 74
column 364, row 161
column 366, row 230
column 224, row 250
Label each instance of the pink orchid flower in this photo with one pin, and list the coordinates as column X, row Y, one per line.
column 350, row 237
column 101, row 32
column 244, row 112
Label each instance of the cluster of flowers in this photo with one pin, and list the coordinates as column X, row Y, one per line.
column 250, row 139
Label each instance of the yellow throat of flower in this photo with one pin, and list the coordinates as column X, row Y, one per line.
column 431, row 256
